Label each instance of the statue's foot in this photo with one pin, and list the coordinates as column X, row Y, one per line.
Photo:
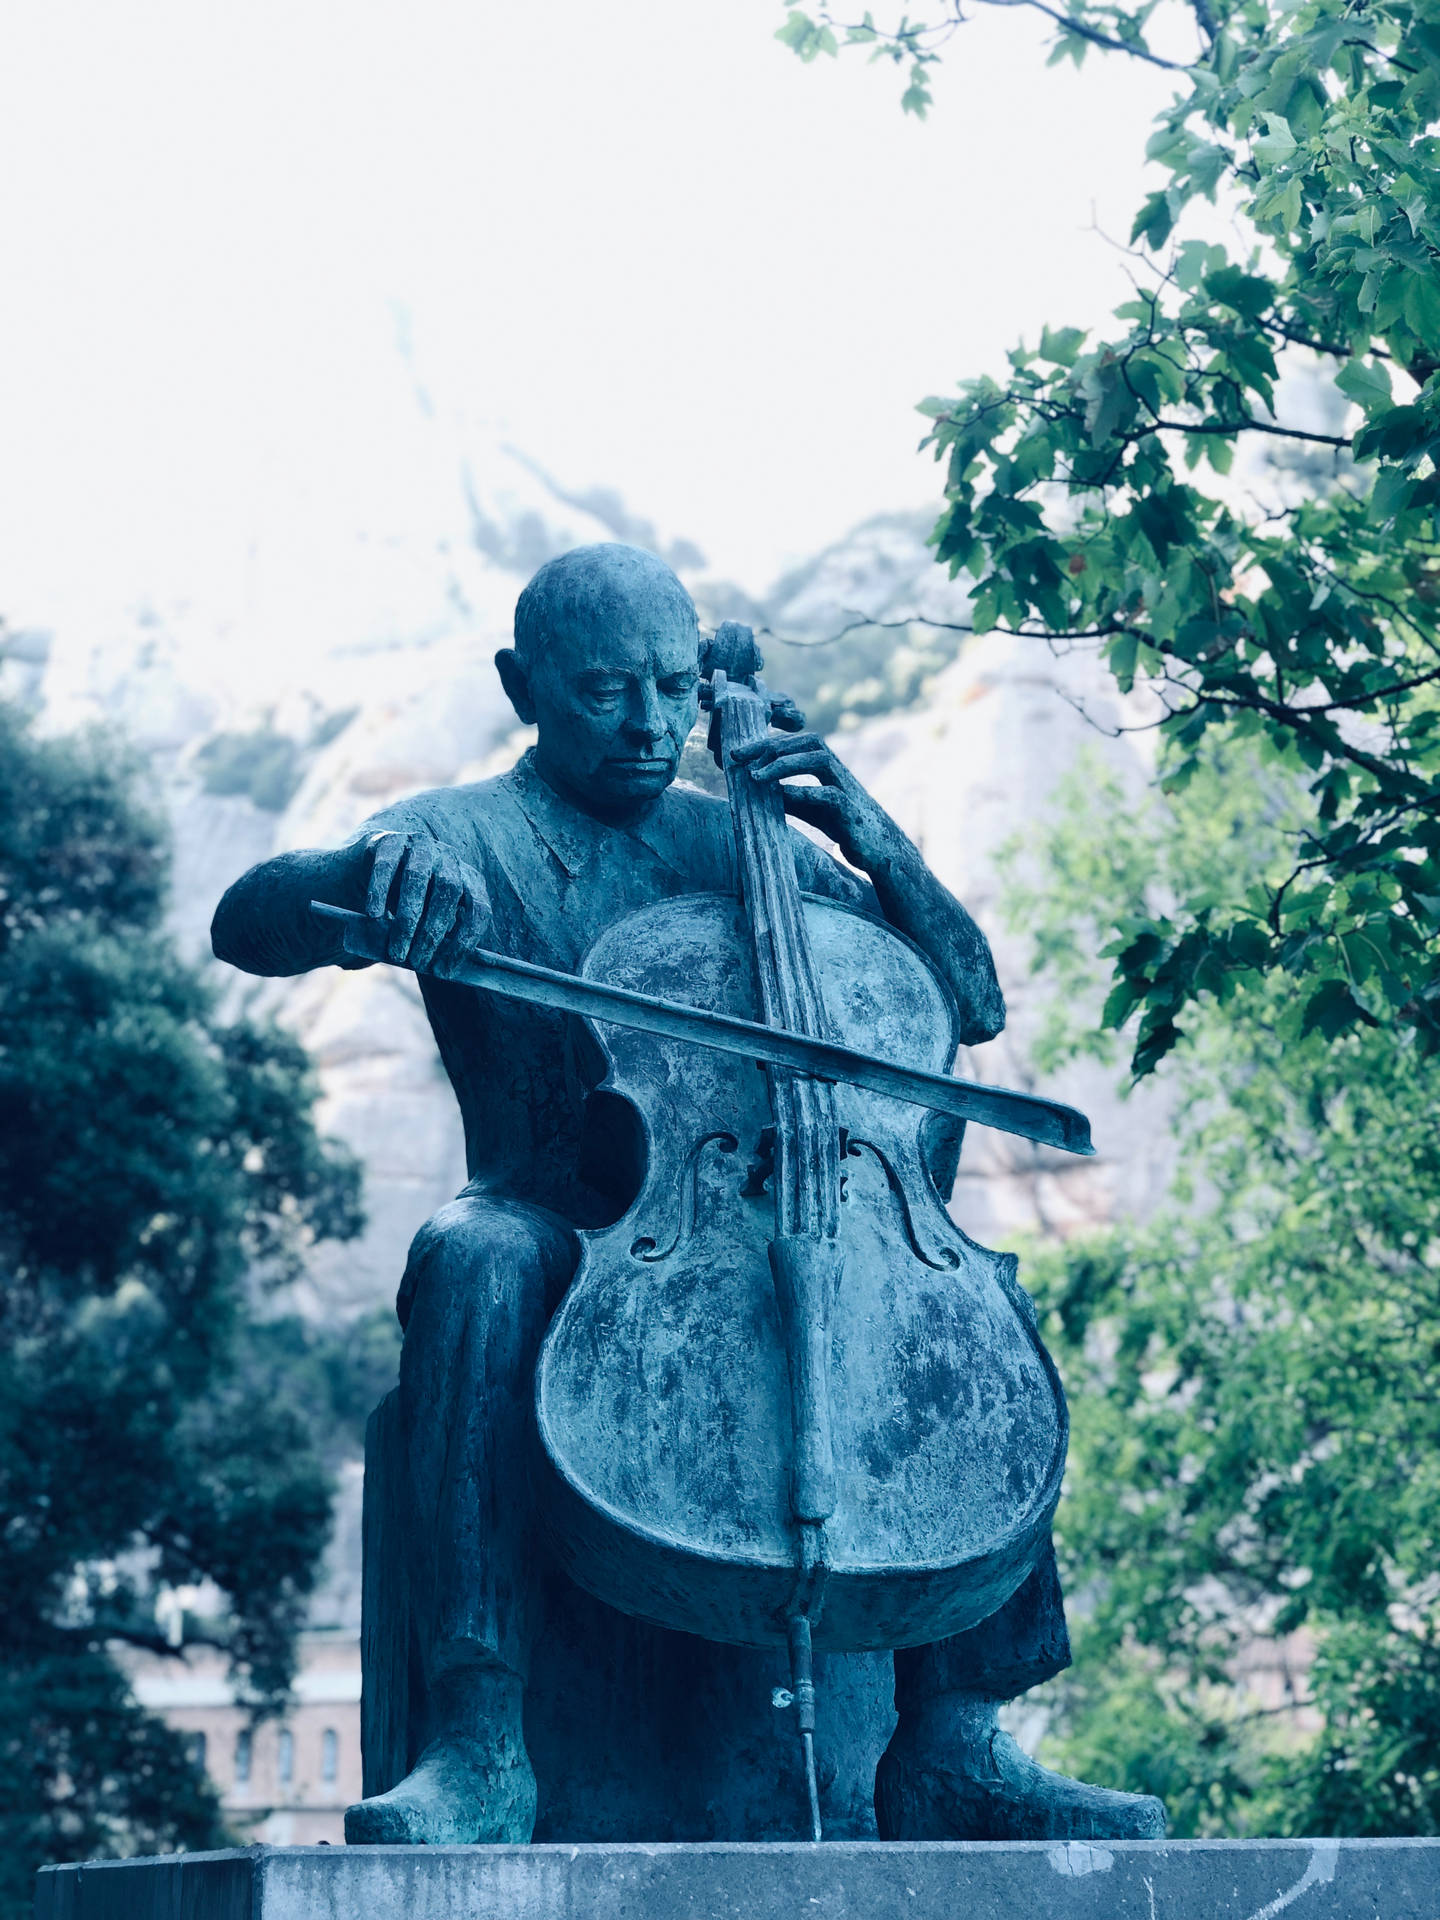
column 460, row 1792
column 950, row 1773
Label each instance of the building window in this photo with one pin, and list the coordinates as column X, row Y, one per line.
column 286, row 1764
column 329, row 1754
column 242, row 1756
column 195, row 1750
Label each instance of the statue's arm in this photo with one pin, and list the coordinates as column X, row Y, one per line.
column 407, row 867
column 907, row 893
column 912, row 899
column 264, row 924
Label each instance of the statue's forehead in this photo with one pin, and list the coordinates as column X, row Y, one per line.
column 632, row 638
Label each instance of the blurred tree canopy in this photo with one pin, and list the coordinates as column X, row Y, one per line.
column 1254, row 1375
column 1293, row 604
column 154, row 1160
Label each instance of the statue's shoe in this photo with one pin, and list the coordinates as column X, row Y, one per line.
column 982, row 1786
column 460, row 1792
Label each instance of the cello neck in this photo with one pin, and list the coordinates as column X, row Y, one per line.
column 806, row 1181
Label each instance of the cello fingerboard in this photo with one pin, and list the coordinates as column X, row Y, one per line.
column 806, row 1182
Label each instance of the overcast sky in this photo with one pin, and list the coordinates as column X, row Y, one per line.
column 639, row 240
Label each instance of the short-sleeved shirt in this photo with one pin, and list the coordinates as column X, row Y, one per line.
column 557, row 879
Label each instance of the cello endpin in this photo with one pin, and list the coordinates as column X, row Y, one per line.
column 812, row 1786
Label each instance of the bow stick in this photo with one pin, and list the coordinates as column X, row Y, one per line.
column 1049, row 1122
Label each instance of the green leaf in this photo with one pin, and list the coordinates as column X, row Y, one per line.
column 1330, row 1010
column 1390, row 496
column 1061, row 345
column 1121, row 1002
column 1392, row 434
column 1163, row 516
column 1421, row 306
column 1193, row 260
column 985, row 610
column 1248, row 294
column 1154, row 222
column 917, row 97
column 1366, row 382
column 1220, row 452
column 805, row 37
column 1277, row 145
column 1122, row 658
column 1109, row 403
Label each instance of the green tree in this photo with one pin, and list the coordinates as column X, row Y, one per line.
column 154, row 1160
column 1304, row 621
column 1254, row 1374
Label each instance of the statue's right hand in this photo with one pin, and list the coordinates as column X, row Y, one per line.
column 433, row 899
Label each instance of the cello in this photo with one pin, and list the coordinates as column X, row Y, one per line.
column 785, row 1400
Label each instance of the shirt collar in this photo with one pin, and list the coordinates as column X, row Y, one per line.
column 569, row 834
column 572, row 836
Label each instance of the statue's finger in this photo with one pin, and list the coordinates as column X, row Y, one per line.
column 471, row 921
column 785, row 766
column 409, row 905
column 388, row 850
column 817, row 805
column 441, row 906
column 477, row 894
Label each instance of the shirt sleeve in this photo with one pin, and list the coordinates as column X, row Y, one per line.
column 405, row 816
column 446, row 815
column 820, row 872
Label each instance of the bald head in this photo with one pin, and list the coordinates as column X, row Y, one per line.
column 605, row 666
column 604, row 585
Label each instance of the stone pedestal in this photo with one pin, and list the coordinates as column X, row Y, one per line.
column 861, row 1880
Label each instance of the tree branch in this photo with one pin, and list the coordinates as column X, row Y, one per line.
column 1248, row 425
column 1083, row 31
column 145, row 1639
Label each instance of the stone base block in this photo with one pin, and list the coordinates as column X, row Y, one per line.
column 862, row 1880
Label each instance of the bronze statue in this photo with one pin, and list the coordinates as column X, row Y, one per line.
column 705, row 1405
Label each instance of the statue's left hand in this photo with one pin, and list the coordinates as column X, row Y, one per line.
column 838, row 805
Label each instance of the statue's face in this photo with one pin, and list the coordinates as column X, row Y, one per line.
column 614, row 699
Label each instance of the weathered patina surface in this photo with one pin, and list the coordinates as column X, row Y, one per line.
column 529, row 1708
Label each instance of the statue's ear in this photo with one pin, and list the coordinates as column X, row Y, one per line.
column 516, row 683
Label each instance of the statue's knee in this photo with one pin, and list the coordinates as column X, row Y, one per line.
column 482, row 1250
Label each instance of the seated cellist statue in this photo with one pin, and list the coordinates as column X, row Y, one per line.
column 537, row 1711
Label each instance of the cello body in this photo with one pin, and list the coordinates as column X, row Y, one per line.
column 673, row 1467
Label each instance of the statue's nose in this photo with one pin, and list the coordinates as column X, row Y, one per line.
column 645, row 718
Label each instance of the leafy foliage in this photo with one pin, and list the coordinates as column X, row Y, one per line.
column 912, row 44
column 1305, row 620
column 151, row 1157
column 66, row 1716
column 1254, row 1378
